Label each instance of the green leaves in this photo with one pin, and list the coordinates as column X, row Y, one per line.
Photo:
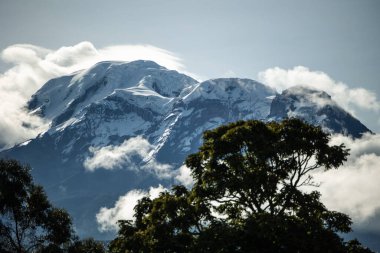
column 14, row 182
column 87, row 246
column 28, row 222
column 168, row 223
column 246, row 197
column 262, row 165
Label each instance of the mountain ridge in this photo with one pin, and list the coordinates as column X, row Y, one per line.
column 115, row 101
column 315, row 107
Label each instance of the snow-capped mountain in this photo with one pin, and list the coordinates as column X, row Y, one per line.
column 315, row 107
column 115, row 101
column 112, row 102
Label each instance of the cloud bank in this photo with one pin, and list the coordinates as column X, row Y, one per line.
column 350, row 99
column 134, row 154
column 112, row 157
column 123, row 210
column 183, row 176
column 32, row 66
column 131, row 154
column 354, row 188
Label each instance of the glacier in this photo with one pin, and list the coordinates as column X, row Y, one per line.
column 112, row 102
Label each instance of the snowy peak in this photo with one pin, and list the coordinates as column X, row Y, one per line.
column 61, row 98
column 241, row 95
column 306, row 92
column 229, row 88
column 315, row 107
column 299, row 101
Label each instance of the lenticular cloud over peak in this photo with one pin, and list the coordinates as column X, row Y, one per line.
column 32, row 66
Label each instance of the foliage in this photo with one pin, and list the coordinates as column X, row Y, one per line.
column 28, row 221
column 86, row 246
column 253, row 167
column 247, row 196
column 354, row 246
column 173, row 216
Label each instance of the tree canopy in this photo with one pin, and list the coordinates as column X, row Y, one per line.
column 88, row 245
column 253, row 167
column 248, row 196
column 28, row 221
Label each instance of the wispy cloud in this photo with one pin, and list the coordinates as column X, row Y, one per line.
column 32, row 66
column 183, row 176
column 133, row 154
column 349, row 98
column 351, row 189
column 229, row 73
column 354, row 188
column 123, row 209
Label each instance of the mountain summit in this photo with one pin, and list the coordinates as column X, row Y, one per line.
column 114, row 102
column 315, row 107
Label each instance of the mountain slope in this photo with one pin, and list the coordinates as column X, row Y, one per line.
column 315, row 107
column 115, row 101
column 210, row 104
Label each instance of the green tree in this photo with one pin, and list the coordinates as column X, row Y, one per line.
column 252, row 167
column 247, row 196
column 28, row 221
column 172, row 216
column 354, row 246
column 86, row 246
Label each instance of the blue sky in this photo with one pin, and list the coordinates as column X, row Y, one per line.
column 216, row 38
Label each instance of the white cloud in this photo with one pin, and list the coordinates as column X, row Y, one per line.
column 113, row 157
column 134, row 154
column 143, row 52
column 354, row 188
column 183, row 176
column 348, row 98
column 126, row 155
column 32, row 66
column 123, row 209
column 229, row 73
column 367, row 144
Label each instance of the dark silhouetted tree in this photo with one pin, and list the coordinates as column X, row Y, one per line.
column 247, row 196
column 28, row 222
column 354, row 246
column 86, row 246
